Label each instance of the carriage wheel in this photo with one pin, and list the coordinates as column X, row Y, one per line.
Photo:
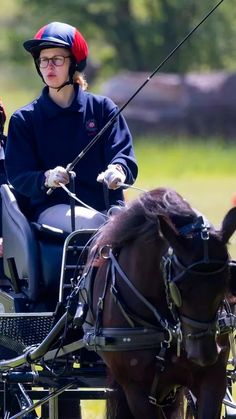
column 13, row 399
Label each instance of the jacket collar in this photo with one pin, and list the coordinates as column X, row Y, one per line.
column 51, row 109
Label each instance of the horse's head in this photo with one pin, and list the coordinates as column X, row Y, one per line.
column 197, row 276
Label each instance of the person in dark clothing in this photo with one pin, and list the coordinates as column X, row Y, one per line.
column 47, row 134
column 3, row 178
column 2, row 143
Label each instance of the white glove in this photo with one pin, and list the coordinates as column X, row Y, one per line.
column 113, row 176
column 55, row 176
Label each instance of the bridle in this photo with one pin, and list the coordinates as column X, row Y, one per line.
column 171, row 264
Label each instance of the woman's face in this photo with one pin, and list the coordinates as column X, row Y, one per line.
column 54, row 66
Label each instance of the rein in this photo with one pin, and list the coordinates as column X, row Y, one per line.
column 191, row 269
column 115, row 266
column 210, row 328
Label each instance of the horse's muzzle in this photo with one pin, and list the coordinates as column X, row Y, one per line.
column 202, row 351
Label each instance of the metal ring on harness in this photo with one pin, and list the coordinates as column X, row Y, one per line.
column 105, row 251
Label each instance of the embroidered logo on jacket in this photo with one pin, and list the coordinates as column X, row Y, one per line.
column 91, row 126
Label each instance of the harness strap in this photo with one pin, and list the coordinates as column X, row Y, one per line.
column 207, row 328
column 160, row 366
column 131, row 318
column 197, row 324
column 117, row 299
column 100, row 304
column 163, row 322
column 190, row 269
column 121, row 339
column 194, row 227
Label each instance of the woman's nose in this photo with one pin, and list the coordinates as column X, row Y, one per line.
column 50, row 63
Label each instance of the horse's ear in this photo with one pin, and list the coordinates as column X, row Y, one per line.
column 228, row 225
column 169, row 231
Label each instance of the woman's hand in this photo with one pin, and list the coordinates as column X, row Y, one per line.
column 113, row 176
column 54, row 177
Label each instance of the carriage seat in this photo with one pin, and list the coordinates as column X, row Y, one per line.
column 32, row 252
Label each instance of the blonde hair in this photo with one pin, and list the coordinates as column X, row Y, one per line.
column 80, row 79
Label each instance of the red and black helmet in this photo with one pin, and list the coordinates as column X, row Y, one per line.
column 60, row 35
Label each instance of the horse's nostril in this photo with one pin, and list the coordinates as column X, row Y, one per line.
column 203, row 362
column 203, row 352
column 203, row 356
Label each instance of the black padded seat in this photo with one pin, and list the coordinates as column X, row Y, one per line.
column 34, row 250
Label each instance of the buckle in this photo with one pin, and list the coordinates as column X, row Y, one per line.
column 152, row 400
column 166, row 343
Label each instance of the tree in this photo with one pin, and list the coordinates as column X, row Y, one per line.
column 137, row 34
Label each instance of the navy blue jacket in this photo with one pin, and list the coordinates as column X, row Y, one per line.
column 42, row 135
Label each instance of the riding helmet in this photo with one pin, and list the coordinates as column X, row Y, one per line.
column 60, row 35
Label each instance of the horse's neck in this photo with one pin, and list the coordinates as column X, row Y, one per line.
column 141, row 263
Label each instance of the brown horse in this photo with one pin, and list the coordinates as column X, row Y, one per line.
column 162, row 278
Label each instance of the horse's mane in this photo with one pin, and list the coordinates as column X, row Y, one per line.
column 140, row 217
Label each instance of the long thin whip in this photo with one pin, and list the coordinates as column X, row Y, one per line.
column 71, row 165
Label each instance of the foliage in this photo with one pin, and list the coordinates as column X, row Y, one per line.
column 138, row 34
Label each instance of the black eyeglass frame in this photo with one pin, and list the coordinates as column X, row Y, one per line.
column 53, row 59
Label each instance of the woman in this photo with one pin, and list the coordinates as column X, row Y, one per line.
column 47, row 134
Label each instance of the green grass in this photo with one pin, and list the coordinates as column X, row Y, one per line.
column 13, row 89
column 204, row 172
column 185, row 157
column 93, row 409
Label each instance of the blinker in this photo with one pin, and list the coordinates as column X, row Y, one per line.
column 175, row 294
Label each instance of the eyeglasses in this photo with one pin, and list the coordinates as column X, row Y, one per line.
column 57, row 60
